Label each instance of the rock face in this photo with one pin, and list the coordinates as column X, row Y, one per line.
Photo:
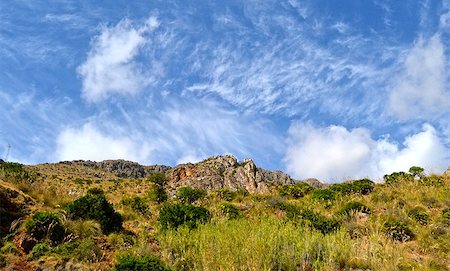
column 13, row 205
column 225, row 172
column 121, row 168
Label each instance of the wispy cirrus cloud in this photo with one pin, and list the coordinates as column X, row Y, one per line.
column 423, row 89
column 177, row 132
column 111, row 66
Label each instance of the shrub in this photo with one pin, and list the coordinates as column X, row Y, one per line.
column 230, row 211
column 225, row 194
column 82, row 250
column 174, row 215
column 446, row 213
column 295, row 190
column 46, row 226
column 320, row 223
column 363, row 186
column 137, row 204
column 190, row 195
column 40, row 250
column 354, row 206
column 342, row 188
column 397, row 176
column 158, row 192
column 398, row 231
column 419, row 214
column 146, row 263
column 433, row 180
column 96, row 207
column 324, row 194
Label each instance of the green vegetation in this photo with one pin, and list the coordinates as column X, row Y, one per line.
column 295, row 191
column 398, row 231
column 354, row 206
column 147, row 263
column 172, row 216
column 420, row 215
column 137, row 204
column 188, row 195
column 356, row 225
column 230, row 211
column 46, row 226
column 95, row 206
column 158, row 192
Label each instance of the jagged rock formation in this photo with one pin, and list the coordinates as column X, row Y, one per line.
column 225, row 172
column 13, row 205
column 121, row 168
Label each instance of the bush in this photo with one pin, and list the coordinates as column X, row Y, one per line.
column 158, row 192
column 96, row 207
column 190, row 195
column 295, row 190
column 398, row 176
column 146, row 263
column 420, row 215
column 354, row 206
column 82, row 250
column 137, row 204
column 324, row 194
column 432, row 180
column 320, row 223
column 225, row 194
column 446, row 213
column 363, row 186
column 40, row 250
column 174, row 215
column 46, row 226
column 398, row 231
column 230, row 211
column 342, row 188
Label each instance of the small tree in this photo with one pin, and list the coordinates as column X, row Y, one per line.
column 417, row 172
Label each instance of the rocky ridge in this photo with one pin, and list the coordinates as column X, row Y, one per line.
column 211, row 174
column 121, row 168
column 226, row 172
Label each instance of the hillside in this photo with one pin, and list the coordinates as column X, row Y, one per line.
column 218, row 214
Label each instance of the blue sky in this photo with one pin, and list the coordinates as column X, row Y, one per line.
column 326, row 89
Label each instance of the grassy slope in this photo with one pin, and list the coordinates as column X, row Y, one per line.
column 263, row 239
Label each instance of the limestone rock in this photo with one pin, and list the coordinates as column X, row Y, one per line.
column 225, row 172
column 121, row 168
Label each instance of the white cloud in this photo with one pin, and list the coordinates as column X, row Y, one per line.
column 176, row 133
column 111, row 66
column 421, row 90
column 89, row 143
column 335, row 154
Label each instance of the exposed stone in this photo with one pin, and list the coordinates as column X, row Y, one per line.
column 314, row 183
column 121, row 168
column 225, row 172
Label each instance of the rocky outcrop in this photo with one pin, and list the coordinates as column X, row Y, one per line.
column 121, row 168
column 225, row 172
column 13, row 205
